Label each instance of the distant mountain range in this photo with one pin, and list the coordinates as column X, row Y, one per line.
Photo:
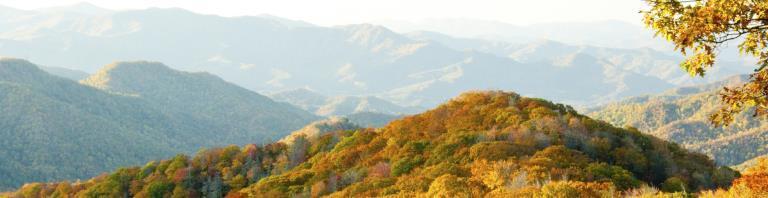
column 609, row 34
column 681, row 115
column 55, row 128
column 271, row 54
column 340, row 105
column 644, row 62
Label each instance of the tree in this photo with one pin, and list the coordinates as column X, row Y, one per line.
column 698, row 28
column 449, row 186
column 406, row 164
column 159, row 188
column 381, row 169
column 674, row 184
column 297, row 152
column 620, row 177
column 213, row 187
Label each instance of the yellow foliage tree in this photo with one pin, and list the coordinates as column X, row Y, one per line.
column 698, row 28
column 449, row 186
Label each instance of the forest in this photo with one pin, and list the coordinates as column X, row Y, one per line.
column 492, row 143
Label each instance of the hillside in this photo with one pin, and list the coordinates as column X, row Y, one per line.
column 480, row 143
column 750, row 163
column 681, row 115
column 316, row 129
column 234, row 113
column 55, row 128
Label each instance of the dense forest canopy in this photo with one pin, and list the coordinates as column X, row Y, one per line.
column 54, row 128
column 480, row 143
column 681, row 115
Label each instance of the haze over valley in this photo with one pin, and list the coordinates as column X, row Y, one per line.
column 418, row 68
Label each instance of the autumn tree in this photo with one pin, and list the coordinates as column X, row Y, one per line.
column 699, row 28
column 756, row 176
column 449, row 186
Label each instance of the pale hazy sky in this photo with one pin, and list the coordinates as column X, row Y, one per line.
column 336, row 12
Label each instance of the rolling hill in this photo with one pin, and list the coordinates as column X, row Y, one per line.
column 235, row 113
column 478, row 144
column 55, row 128
column 681, row 115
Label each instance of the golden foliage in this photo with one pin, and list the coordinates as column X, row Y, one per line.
column 480, row 144
column 699, row 28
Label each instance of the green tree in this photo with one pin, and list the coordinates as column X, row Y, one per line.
column 406, row 164
column 698, row 28
column 620, row 177
column 674, row 184
column 159, row 188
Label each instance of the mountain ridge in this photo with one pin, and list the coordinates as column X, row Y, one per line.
column 339, row 105
column 56, row 128
column 682, row 115
column 360, row 59
column 207, row 96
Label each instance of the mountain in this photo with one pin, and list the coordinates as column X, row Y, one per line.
column 346, row 105
column 681, row 115
column 339, row 105
column 303, row 98
column 270, row 54
column 641, row 61
column 55, row 128
column 478, row 144
column 236, row 113
column 610, row 34
column 371, row 119
column 358, row 110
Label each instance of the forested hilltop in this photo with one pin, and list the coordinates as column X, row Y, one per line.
column 234, row 113
column 478, row 144
column 682, row 115
column 54, row 128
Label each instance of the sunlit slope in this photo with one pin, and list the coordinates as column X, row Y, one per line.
column 55, row 128
column 480, row 143
column 682, row 115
